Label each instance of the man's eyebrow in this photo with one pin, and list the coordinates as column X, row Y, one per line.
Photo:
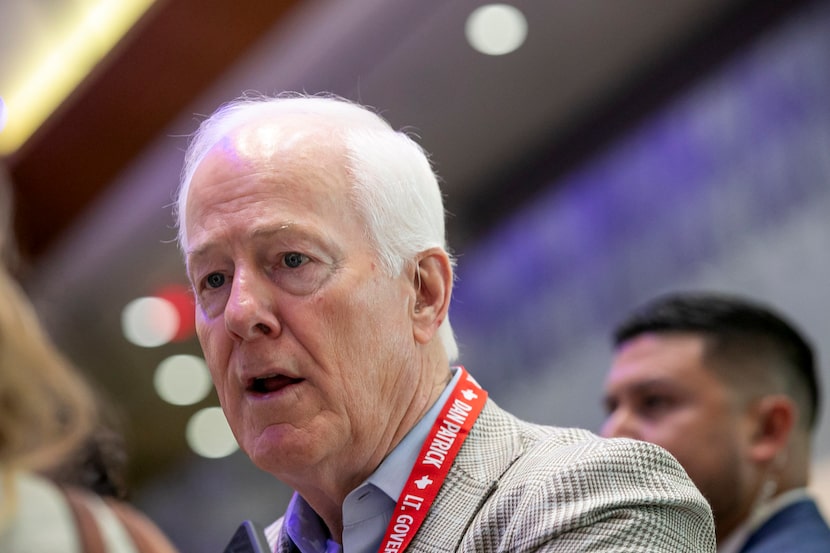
column 256, row 234
column 641, row 386
column 269, row 232
column 638, row 387
column 201, row 251
column 654, row 381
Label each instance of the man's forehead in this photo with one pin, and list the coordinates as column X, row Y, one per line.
column 664, row 343
column 265, row 147
column 265, row 138
column 655, row 354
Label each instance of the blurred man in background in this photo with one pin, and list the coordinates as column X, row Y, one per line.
column 729, row 387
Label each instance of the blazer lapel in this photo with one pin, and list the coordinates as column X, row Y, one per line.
column 487, row 453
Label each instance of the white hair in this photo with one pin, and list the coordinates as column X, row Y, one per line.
column 394, row 187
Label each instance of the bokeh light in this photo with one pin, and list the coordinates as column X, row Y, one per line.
column 149, row 321
column 182, row 299
column 496, row 29
column 182, row 379
column 209, row 435
column 2, row 114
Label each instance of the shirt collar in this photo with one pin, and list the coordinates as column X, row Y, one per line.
column 304, row 526
column 390, row 477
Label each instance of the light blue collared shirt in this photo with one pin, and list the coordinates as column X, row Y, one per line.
column 369, row 507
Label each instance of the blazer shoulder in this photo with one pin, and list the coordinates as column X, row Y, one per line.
column 564, row 446
column 799, row 528
column 561, row 486
column 576, row 459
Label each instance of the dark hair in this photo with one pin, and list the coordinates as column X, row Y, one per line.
column 737, row 327
column 9, row 254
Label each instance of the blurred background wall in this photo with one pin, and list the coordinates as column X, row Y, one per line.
column 618, row 153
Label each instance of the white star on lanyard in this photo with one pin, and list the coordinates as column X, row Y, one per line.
column 469, row 395
column 423, row 482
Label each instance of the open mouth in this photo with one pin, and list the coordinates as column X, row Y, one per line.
column 271, row 384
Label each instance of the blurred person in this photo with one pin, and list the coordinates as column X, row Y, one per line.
column 313, row 236
column 729, row 387
column 99, row 464
column 49, row 423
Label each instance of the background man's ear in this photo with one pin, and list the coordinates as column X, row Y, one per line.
column 433, row 287
column 775, row 418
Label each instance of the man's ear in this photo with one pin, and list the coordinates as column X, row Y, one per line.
column 775, row 416
column 432, row 280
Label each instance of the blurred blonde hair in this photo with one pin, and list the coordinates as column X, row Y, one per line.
column 47, row 410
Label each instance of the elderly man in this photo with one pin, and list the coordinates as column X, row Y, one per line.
column 314, row 240
column 729, row 387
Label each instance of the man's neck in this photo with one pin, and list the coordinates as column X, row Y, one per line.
column 329, row 485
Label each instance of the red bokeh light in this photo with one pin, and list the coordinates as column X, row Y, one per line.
column 182, row 298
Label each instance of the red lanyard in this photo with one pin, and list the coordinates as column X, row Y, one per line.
column 440, row 448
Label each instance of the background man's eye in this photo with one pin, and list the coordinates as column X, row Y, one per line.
column 655, row 403
column 215, row 280
column 294, row 259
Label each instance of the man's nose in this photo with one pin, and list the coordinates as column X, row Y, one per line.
column 249, row 312
column 620, row 423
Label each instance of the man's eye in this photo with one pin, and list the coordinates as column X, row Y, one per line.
column 293, row 260
column 215, row 280
column 655, row 403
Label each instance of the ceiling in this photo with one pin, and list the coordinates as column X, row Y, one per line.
column 94, row 184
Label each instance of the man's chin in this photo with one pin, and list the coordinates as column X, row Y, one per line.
column 282, row 449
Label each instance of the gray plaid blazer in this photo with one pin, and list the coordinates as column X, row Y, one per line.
column 521, row 487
